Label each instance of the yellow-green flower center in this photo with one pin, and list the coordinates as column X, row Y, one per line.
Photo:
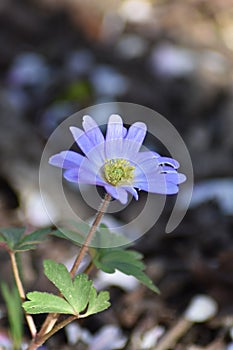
column 118, row 171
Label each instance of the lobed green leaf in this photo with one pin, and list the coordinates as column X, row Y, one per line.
column 81, row 292
column 97, row 303
column 103, row 237
column 41, row 302
column 59, row 276
column 127, row 261
column 36, row 236
column 17, row 241
column 78, row 295
column 12, row 235
column 75, row 292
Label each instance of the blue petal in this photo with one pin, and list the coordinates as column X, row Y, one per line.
column 167, row 169
column 117, row 193
column 114, row 137
column 169, row 161
column 66, row 160
column 87, row 172
column 89, row 145
column 150, row 166
column 83, row 177
column 147, row 166
column 131, row 190
column 159, row 182
column 141, row 157
column 92, row 130
column 175, row 178
column 124, row 131
column 182, row 178
column 81, row 139
column 133, row 140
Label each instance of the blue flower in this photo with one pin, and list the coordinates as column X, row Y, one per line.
column 116, row 162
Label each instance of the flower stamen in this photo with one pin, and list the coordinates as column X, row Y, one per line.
column 118, row 171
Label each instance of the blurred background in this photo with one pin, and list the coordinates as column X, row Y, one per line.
column 175, row 57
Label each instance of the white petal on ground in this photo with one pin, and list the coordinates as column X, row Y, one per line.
column 220, row 190
column 107, row 81
column 79, row 62
column 75, row 333
column 150, row 338
column 137, row 11
column 5, row 342
column 231, row 332
column 108, row 338
column 131, row 46
column 201, row 309
column 118, row 279
column 35, row 210
column 173, row 61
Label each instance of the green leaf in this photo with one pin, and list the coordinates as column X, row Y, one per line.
column 123, row 258
column 36, row 236
column 25, row 247
column 97, row 303
column 78, row 91
column 127, row 261
column 79, row 293
column 40, row 302
column 72, row 235
column 12, row 235
column 14, row 312
column 16, row 240
column 2, row 239
column 3, row 242
column 58, row 233
column 75, row 292
column 59, row 276
column 104, row 238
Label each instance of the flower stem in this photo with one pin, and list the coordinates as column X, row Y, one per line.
column 89, row 268
column 19, row 285
column 48, row 328
column 93, row 229
column 36, row 343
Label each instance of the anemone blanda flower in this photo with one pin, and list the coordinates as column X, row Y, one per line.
column 116, row 162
